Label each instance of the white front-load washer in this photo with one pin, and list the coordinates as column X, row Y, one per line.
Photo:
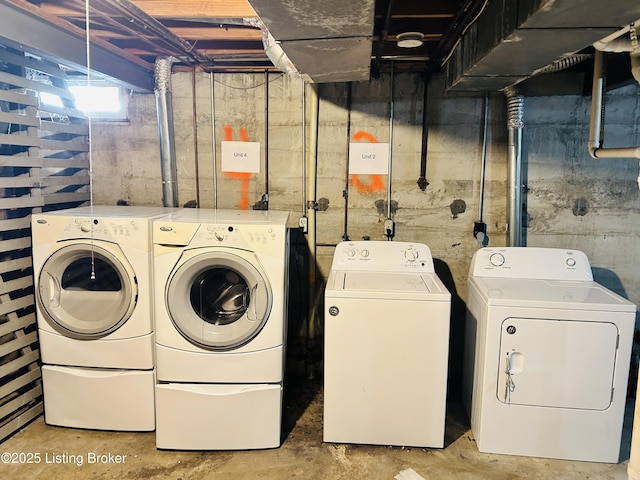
column 387, row 317
column 547, row 354
column 93, row 289
column 221, row 311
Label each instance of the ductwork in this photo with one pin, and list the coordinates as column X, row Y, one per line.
column 515, row 123
column 325, row 41
column 273, row 50
column 166, row 133
column 513, row 40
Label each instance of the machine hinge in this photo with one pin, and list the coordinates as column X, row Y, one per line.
column 611, row 399
column 618, row 342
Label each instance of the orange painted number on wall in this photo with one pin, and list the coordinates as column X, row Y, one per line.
column 376, row 184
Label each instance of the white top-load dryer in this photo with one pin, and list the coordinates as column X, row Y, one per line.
column 547, row 354
column 386, row 346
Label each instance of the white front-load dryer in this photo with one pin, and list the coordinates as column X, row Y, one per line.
column 220, row 293
column 93, row 288
column 547, row 354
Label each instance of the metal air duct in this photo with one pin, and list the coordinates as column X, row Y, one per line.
column 166, row 132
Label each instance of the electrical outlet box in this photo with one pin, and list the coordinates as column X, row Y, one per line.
column 303, row 223
column 389, row 228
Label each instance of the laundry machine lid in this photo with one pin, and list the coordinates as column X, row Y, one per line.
column 387, row 285
column 87, row 290
column 575, row 295
column 219, row 298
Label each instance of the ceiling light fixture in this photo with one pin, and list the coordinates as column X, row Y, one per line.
column 410, row 39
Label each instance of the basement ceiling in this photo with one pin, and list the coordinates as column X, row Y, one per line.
column 480, row 44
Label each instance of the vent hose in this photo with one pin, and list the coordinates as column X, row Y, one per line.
column 166, row 131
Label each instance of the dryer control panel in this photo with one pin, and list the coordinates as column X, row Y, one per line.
column 380, row 256
column 532, row 263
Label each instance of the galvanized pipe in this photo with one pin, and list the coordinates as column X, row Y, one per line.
column 166, row 131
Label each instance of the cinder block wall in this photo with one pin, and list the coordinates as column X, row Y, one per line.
column 572, row 201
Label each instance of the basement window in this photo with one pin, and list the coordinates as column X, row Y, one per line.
column 101, row 101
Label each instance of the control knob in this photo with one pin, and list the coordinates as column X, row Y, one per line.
column 411, row 255
column 496, row 259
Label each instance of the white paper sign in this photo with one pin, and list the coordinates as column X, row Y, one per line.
column 369, row 158
column 240, row 157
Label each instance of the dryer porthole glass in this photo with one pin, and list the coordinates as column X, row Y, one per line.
column 86, row 291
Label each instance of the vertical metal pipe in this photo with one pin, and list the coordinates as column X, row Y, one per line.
column 345, row 192
column 166, row 132
column 304, row 149
column 422, row 180
column 514, row 168
column 389, row 224
column 311, row 207
column 483, row 167
column 391, row 117
column 196, row 156
column 213, row 141
column 266, row 137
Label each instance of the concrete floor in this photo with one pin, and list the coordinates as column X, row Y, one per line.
column 302, row 455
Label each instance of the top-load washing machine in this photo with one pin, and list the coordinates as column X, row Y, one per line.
column 221, row 298
column 547, row 354
column 386, row 347
column 93, row 288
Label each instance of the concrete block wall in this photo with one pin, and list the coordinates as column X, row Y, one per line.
column 573, row 201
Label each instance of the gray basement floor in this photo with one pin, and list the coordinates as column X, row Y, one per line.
column 302, row 455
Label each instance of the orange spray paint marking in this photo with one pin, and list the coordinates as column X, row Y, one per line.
column 244, row 176
column 376, row 185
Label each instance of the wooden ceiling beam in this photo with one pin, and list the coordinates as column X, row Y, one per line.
column 196, row 8
column 208, row 33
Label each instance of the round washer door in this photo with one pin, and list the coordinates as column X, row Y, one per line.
column 219, row 300
column 86, row 290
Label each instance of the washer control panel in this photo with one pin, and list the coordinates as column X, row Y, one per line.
column 531, row 262
column 381, row 256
